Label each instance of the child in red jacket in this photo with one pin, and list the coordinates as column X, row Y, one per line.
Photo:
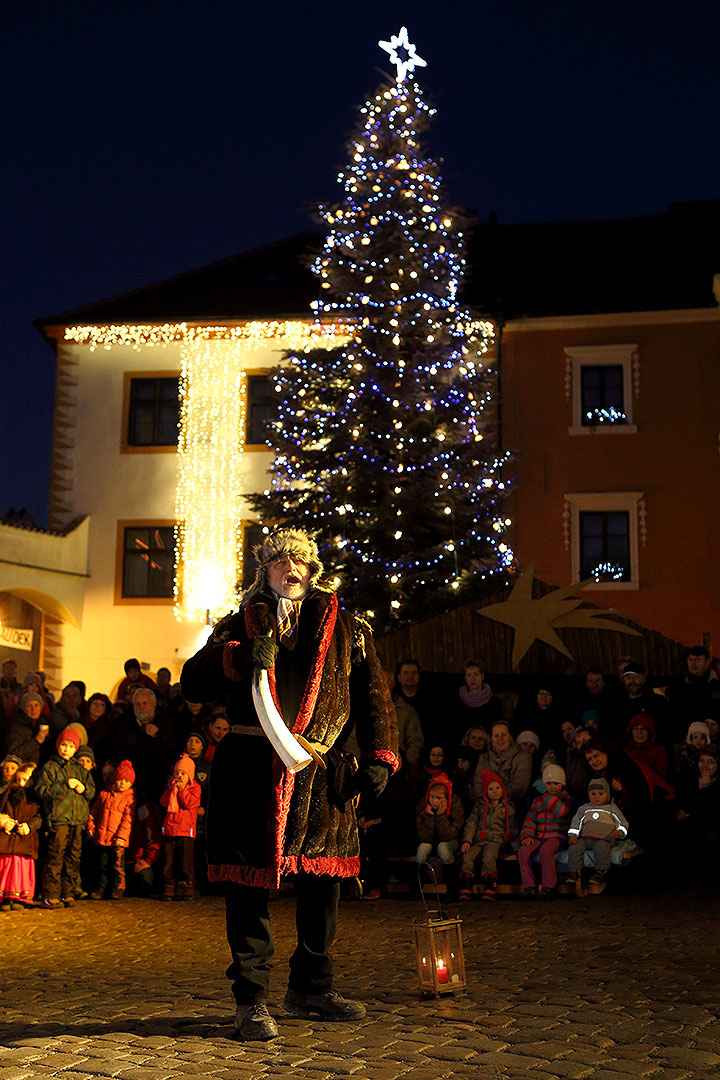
column 110, row 825
column 181, row 799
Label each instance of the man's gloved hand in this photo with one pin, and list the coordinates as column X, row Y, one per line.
column 371, row 779
column 264, row 651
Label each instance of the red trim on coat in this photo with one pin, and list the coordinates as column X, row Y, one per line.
column 252, row 875
column 385, row 756
column 228, row 666
column 283, row 780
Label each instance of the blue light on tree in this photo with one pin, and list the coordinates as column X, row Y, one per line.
column 386, row 447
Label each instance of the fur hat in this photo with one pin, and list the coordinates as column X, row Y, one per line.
column 529, row 736
column 698, row 727
column 125, row 771
column 68, row 734
column 294, row 542
column 553, row 774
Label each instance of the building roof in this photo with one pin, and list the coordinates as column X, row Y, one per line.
column 267, row 282
column 658, row 262
column 655, row 263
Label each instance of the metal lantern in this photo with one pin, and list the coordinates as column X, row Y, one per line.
column 439, row 952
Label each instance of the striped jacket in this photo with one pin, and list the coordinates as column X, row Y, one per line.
column 548, row 816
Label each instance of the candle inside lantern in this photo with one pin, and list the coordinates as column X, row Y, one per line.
column 442, row 972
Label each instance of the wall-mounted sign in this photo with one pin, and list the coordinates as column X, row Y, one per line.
column 16, row 639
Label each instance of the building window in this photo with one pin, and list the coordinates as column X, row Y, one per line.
column 601, row 393
column 600, row 381
column 261, row 408
column 602, row 534
column 152, row 412
column 252, row 535
column 146, row 562
column 604, row 545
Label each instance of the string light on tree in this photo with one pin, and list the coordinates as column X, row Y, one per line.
column 398, row 422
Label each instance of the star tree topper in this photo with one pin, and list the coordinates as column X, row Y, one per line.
column 402, row 53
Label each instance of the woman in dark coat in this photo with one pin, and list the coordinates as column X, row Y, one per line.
column 19, row 841
column 629, row 787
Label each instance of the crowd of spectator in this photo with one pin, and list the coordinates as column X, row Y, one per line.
column 103, row 797
column 100, row 798
column 492, row 784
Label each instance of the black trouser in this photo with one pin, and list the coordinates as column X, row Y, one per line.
column 112, row 865
column 251, row 942
column 63, row 861
column 178, row 858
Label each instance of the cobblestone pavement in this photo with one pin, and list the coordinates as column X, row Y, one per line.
column 614, row 988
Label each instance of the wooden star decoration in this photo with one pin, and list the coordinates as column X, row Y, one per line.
column 537, row 619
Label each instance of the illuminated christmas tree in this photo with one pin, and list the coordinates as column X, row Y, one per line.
column 385, row 447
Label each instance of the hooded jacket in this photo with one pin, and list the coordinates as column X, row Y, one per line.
column 439, row 828
column 494, row 822
column 647, row 753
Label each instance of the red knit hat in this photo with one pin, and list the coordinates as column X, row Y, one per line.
column 68, row 734
column 125, row 771
column 441, row 780
column 186, row 763
column 488, row 777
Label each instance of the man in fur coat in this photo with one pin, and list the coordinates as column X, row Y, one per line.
column 264, row 821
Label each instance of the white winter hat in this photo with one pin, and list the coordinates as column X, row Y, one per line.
column 553, row 774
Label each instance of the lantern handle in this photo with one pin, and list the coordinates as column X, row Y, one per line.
column 431, row 871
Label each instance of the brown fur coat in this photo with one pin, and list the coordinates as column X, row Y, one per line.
column 262, row 821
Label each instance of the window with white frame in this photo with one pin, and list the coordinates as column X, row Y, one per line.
column 601, row 382
column 602, row 535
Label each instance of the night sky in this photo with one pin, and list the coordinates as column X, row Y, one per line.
column 143, row 139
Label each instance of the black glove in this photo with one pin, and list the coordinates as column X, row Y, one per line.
column 264, row 651
column 371, row 779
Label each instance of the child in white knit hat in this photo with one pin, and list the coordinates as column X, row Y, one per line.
column 544, row 831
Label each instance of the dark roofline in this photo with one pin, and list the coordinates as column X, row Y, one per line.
column 653, row 262
column 298, row 241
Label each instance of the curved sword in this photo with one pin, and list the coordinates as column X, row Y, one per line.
column 288, row 749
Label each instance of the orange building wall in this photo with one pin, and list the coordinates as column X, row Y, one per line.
column 673, row 459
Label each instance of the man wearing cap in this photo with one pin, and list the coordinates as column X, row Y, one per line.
column 636, row 697
column 264, row 821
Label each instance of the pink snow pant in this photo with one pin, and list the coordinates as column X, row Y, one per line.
column 546, row 853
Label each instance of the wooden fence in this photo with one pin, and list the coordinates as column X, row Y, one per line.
column 443, row 642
